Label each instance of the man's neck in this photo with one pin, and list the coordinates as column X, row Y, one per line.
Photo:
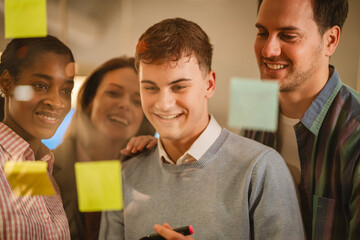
column 176, row 148
column 294, row 104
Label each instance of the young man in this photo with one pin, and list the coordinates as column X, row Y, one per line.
column 224, row 185
column 319, row 126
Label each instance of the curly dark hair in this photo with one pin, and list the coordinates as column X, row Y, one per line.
column 20, row 52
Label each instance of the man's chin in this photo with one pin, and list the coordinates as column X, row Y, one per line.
column 169, row 137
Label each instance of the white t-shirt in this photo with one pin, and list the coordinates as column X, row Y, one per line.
column 287, row 146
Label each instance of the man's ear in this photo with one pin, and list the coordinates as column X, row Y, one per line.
column 210, row 84
column 6, row 82
column 331, row 38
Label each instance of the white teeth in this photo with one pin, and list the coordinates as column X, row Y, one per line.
column 275, row 66
column 49, row 118
column 119, row 120
column 169, row 117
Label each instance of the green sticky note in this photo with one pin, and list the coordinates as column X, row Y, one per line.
column 28, row 178
column 99, row 185
column 25, row 18
column 254, row 104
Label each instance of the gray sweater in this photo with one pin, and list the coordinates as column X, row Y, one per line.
column 239, row 189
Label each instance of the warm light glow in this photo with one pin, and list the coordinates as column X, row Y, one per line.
column 78, row 81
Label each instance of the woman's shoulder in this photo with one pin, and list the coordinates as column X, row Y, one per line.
column 64, row 154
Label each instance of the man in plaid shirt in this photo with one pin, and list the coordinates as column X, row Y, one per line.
column 319, row 123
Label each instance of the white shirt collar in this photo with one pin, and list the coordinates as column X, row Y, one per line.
column 199, row 147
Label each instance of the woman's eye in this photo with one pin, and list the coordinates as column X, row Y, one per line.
column 40, row 87
column 112, row 93
column 137, row 102
column 67, row 91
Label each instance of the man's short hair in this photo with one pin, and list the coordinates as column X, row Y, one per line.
column 172, row 39
column 327, row 13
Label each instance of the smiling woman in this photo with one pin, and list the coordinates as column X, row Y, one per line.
column 51, row 87
column 44, row 69
column 108, row 114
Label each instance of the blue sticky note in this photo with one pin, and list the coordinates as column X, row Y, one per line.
column 25, row 18
column 254, row 104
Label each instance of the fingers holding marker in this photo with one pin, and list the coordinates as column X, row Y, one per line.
column 174, row 234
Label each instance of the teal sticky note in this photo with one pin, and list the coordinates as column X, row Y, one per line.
column 99, row 185
column 25, row 18
column 254, row 104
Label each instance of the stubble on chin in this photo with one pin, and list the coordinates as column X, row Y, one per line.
column 295, row 80
column 291, row 82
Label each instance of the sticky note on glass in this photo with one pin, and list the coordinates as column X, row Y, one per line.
column 99, row 185
column 254, row 104
column 28, row 178
column 25, row 18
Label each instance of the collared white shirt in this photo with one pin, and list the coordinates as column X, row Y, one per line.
column 198, row 148
column 28, row 217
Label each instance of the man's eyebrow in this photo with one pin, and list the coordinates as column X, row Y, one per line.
column 287, row 28
column 258, row 25
column 179, row 80
column 147, row 81
column 171, row 83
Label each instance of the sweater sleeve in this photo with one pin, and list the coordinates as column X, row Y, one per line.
column 273, row 205
column 112, row 225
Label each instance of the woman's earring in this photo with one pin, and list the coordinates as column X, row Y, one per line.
column 2, row 94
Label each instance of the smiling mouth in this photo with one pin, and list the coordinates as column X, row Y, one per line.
column 168, row 117
column 120, row 120
column 275, row 66
column 48, row 117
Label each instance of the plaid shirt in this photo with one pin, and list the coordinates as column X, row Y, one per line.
column 328, row 138
column 28, row 217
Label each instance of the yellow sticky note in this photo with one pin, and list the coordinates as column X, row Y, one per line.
column 254, row 104
column 99, row 185
column 28, row 178
column 25, row 18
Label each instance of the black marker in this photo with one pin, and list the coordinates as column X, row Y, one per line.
column 188, row 230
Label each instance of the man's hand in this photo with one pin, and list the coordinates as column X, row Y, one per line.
column 138, row 144
column 166, row 231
